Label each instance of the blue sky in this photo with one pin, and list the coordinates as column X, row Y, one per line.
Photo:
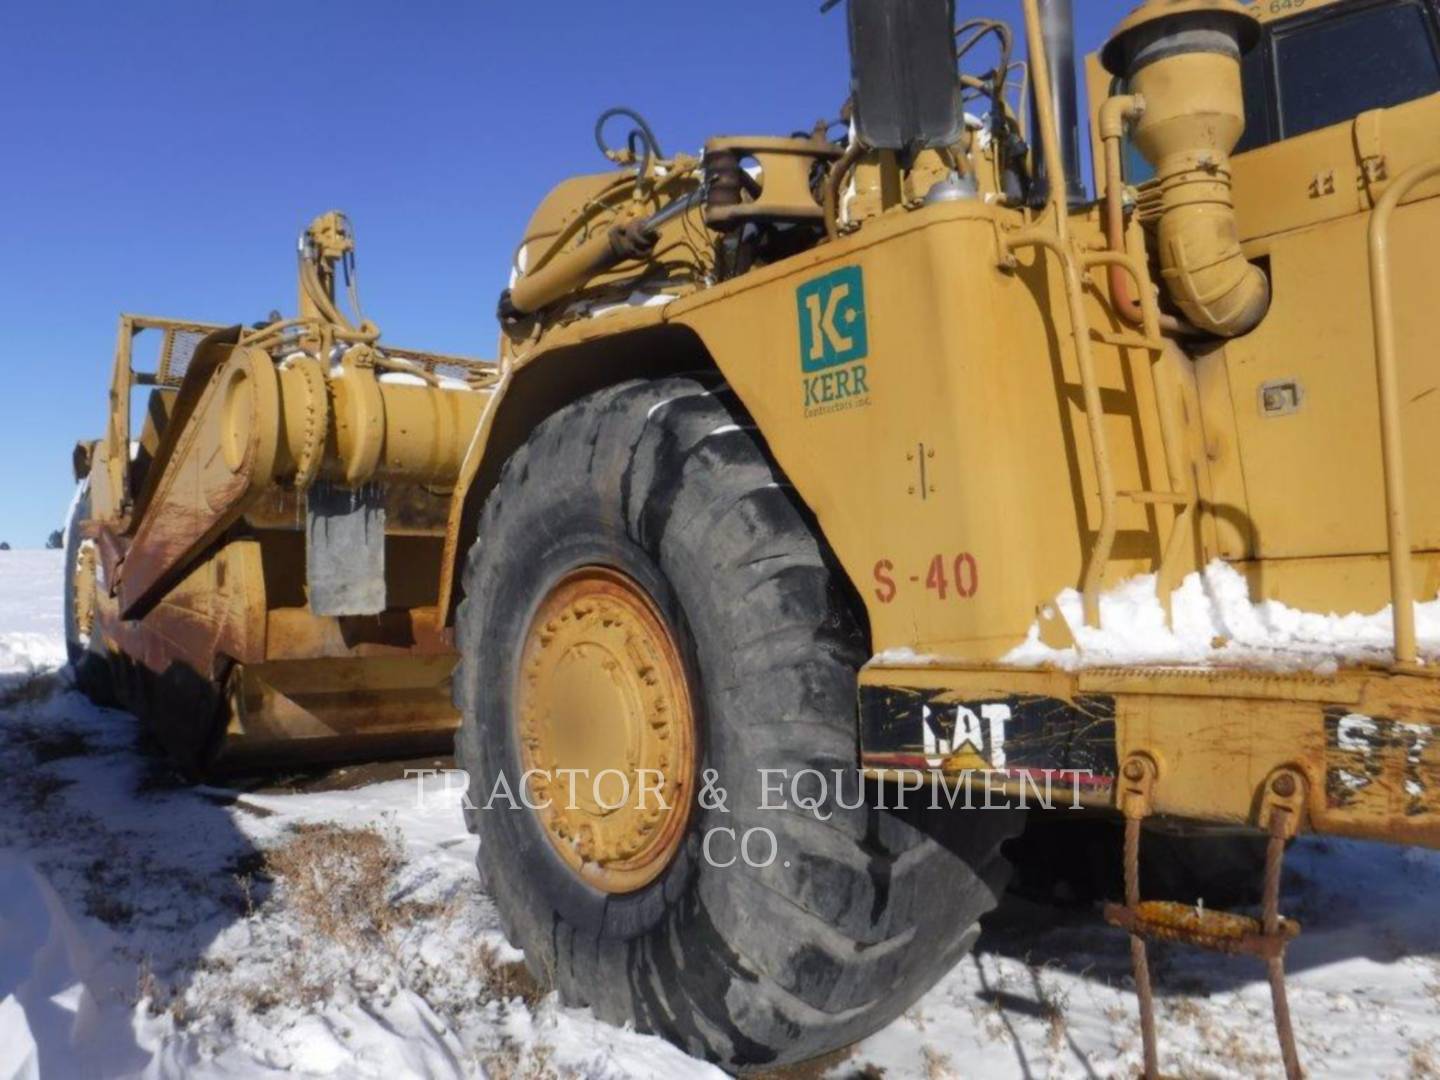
column 161, row 157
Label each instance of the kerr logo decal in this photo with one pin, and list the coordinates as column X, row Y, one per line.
column 834, row 339
column 832, row 320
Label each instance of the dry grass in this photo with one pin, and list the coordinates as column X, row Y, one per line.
column 1230, row 1045
column 51, row 744
column 1423, row 1063
column 835, row 1065
column 520, row 1063
column 1184, row 1010
column 36, row 789
column 938, row 1066
column 28, row 689
column 329, row 908
column 1053, row 1006
column 507, row 979
column 148, row 987
column 105, row 880
column 245, row 885
column 339, row 881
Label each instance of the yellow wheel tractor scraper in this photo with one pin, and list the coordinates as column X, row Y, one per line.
column 804, row 479
column 257, row 567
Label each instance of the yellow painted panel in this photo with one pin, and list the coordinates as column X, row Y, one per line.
column 1314, row 476
column 964, row 468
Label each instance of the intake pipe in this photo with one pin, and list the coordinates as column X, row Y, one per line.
column 1057, row 27
column 1181, row 59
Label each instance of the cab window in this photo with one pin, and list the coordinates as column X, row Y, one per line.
column 1322, row 68
column 1333, row 69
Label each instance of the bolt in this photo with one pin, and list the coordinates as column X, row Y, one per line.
column 1283, row 785
column 1134, row 769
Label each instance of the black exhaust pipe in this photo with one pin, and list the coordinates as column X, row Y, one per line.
column 1057, row 25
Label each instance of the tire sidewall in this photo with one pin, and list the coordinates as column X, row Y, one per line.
column 79, row 511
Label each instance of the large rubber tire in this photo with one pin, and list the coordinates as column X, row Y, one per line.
column 180, row 710
column 859, row 914
column 89, row 667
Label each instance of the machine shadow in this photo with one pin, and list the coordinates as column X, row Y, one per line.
column 1390, row 922
column 147, row 871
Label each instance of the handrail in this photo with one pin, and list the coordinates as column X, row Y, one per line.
column 1397, row 518
column 1059, row 242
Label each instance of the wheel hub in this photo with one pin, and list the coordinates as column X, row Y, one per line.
column 83, row 592
column 606, row 729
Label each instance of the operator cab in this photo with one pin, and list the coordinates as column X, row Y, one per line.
column 1323, row 67
column 1342, row 98
column 1320, row 65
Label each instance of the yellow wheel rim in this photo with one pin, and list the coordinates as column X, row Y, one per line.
column 607, row 730
column 84, row 587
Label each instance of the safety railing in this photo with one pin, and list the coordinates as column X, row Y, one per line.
column 1054, row 236
column 1397, row 511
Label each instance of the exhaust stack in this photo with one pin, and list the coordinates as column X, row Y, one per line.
column 1057, row 27
column 1182, row 60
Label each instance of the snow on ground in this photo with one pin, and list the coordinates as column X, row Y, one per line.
column 149, row 928
column 31, row 633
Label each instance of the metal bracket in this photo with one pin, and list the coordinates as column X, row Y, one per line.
column 1282, row 800
column 1135, row 793
column 923, row 458
column 1370, row 151
column 1281, row 397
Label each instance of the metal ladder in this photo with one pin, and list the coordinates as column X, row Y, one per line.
column 1051, row 231
column 1284, row 792
column 1217, row 931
